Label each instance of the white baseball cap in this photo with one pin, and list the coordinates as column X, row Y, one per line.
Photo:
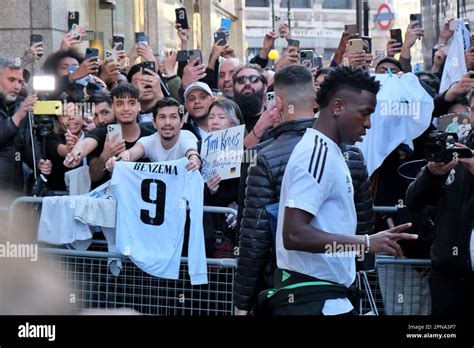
column 197, row 85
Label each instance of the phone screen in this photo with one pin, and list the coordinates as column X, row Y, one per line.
column 141, row 39
column 120, row 40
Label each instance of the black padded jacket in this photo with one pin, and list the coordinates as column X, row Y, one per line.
column 257, row 260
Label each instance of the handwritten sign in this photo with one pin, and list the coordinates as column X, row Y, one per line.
column 222, row 152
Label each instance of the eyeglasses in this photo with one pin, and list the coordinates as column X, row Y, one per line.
column 243, row 79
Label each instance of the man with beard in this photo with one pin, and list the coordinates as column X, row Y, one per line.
column 103, row 112
column 224, row 81
column 168, row 143
column 198, row 99
column 96, row 143
column 15, row 141
column 250, row 87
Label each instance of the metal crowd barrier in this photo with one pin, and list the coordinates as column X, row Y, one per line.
column 395, row 287
column 89, row 282
column 91, row 285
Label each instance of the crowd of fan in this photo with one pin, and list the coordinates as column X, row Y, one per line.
column 220, row 94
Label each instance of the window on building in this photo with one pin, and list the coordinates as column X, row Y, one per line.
column 257, row 3
column 337, row 4
column 297, row 4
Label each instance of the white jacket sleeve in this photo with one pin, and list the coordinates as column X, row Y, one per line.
column 197, row 264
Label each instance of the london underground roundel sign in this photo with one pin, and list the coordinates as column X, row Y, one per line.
column 384, row 17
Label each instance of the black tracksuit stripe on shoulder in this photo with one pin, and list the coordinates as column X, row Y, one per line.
column 316, row 167
column 324, row 162
column 314, row 152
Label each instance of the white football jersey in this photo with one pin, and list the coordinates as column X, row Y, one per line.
column 151, row 214
column 318, row 181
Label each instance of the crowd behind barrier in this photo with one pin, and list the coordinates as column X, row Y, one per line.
column 262, row 151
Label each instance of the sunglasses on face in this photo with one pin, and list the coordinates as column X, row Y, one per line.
column 243, row 79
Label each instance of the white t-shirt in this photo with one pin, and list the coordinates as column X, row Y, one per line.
column 151, row 214
column 317, row 180
column 155, row 151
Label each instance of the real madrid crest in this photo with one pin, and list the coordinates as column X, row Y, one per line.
column 450, row 178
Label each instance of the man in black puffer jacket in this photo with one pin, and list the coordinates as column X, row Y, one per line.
column 256, row 249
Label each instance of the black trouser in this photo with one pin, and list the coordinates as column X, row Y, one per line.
column 451, row 295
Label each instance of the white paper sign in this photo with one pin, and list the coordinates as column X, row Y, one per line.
column 222, row 153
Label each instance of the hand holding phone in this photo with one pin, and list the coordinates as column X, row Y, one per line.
column 37, row 39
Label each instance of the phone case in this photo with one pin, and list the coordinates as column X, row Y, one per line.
column 220, row 35
column 195, row 53
column 92, row 52
column 182, row 56
column 48, row 107
column 306, row 58
column 356, row 45
column 270, row 99
column 181, row 17
column 72, row 18
column 226, row 23
column 114, row 130
column 111, row 54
